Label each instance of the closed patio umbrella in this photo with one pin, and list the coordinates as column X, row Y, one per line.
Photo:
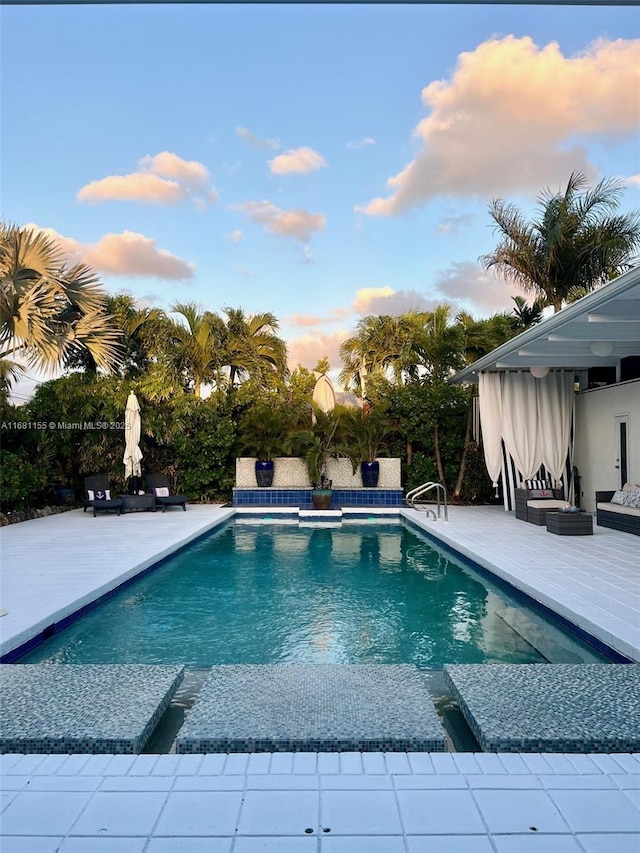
column 324, row 397
column 132, row 454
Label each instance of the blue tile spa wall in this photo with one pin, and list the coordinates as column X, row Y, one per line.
column 302, row 497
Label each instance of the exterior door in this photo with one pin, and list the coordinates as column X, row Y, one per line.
column 622, row 449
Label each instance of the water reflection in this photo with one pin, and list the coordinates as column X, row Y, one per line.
column 279, row 593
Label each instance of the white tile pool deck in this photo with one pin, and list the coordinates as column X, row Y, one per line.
column 371, row 803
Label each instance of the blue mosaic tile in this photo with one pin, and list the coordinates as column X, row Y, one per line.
column 313, row 707
column 550, row 707
column 302, row 497
column 69, row 709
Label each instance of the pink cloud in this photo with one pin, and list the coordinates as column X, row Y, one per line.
column 297, row 224
column 308, row 348
column 299, row 161
column 489, row 133
column 163, row 178
column 126, row 254
column 304, row 320
column 169, row 165
column 138, row 186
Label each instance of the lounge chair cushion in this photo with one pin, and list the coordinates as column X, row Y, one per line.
column 548, row 504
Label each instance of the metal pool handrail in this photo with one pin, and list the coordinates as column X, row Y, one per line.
column 412, row 495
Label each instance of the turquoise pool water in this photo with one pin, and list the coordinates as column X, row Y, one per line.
column 284, row 593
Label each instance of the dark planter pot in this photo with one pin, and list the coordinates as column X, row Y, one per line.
column 321, row 498
column 370, row 472
column 264, row 473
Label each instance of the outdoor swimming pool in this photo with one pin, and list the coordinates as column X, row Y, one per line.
column 253, row 592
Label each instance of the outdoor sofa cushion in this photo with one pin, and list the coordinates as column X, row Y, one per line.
column 623, row 510
column 546, row 503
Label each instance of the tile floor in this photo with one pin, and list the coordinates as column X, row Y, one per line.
column 369, row 803
column 321, row 803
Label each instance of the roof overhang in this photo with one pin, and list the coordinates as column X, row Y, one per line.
column 596, row 331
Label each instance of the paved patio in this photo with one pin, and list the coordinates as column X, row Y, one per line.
column 318, row 802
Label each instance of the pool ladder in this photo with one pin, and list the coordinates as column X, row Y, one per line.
column 441, row 498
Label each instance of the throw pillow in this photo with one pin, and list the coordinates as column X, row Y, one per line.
column 537, row 484
column 633, row 498
column 541, row 493
column 620, row 498
column 99, row 495
column 162, row 492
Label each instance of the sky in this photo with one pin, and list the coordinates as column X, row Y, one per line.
column 321, row 162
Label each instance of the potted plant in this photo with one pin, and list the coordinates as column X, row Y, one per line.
column 365, row 431
column 263, row 433
column 315, row 446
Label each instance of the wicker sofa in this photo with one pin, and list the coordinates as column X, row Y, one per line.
column 534, row 509
column 615, row 516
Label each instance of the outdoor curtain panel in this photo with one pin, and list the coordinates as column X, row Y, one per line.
column 532, row 417
column 490, row 401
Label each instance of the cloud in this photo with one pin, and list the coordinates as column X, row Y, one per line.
column 126, row 254
column 386, row 300
column 297, row 224
column 307, row 256
column 139, row 186
column 467, row 286
column 510, row 119
column 255, row 142
column 163, row 178
column 366, row 295
column 298, row 161
column 308, row 348
column 305, row 320
column 361, row 143
column 169, row 165
column 453, row 224
column 632, row 180
column 233, row 236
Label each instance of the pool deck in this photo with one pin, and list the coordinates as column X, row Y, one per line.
column 319, row 802
column 53, row 566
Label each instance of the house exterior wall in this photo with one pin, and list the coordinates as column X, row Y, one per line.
column 596, row 441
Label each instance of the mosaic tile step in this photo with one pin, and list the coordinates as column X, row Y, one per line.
column 315, row 707
column 550, row 707
column 82, row 708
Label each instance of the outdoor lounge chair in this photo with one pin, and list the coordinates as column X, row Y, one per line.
column 98, row 496
column 534, row 499
column 159, row 485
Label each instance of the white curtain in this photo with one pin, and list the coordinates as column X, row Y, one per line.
column 520, row 422
column 490, row 401
column 555, row 411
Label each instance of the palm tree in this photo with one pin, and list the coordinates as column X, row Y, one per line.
column 253, row 347
column 49, row 311
column 526, row 315
column 195, row 346
column 575, row 243
column 438, row 343
column 382, row 344
column 141, row 330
